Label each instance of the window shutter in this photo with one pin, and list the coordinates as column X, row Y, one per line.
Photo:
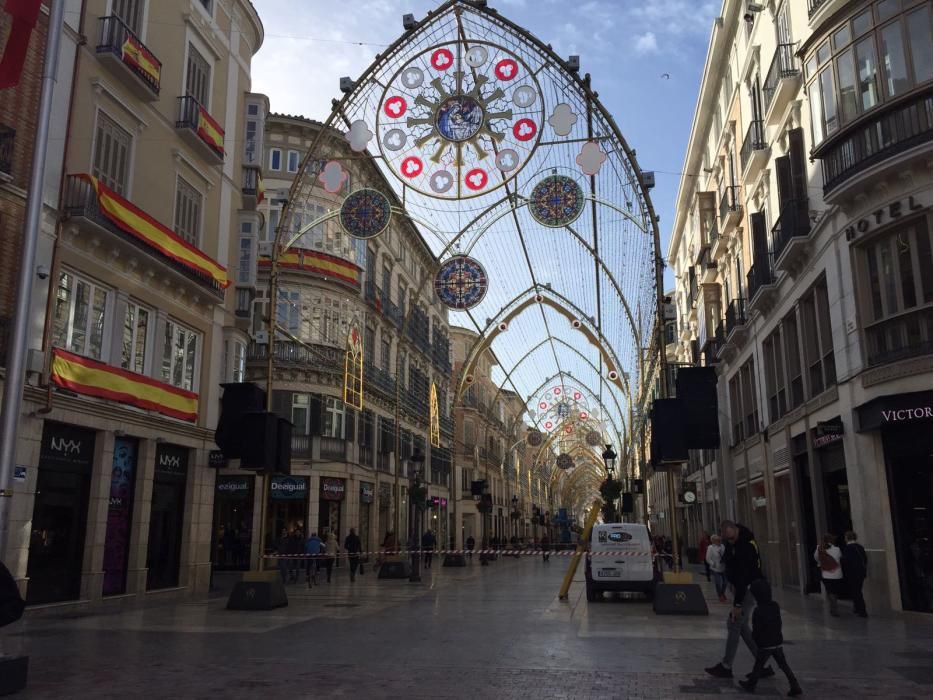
column 282, row 404
column 350, row 424
column 317, row 409
column 798, row 175
column 759, row 238
column 784, row 182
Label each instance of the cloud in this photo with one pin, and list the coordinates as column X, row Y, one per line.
column 646, row 43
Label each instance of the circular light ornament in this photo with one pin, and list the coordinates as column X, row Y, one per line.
column 556, row 201
column 461, row 283
column 471, row 109
column 594, row 439
column 613, row 375
column 468, row 379
column 535, row 438
column 365, row 213
column 503, row 327
column 564, row 461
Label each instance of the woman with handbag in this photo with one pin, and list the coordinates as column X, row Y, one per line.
column 828, row 556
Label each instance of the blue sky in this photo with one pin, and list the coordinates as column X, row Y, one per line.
column 627, row 46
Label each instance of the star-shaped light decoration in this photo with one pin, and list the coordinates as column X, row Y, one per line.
column 591, row 158
column 562, row 119
column 359, row 136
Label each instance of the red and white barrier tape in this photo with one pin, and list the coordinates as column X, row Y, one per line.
column 504, row 552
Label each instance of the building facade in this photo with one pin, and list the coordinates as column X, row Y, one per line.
column 350, row 468
column 801, row 250
column 113, row 492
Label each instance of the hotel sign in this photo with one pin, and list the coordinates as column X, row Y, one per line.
column 884, row 215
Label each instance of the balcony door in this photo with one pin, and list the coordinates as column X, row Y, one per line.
column 130, row 12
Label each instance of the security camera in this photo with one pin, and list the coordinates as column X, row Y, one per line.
column 42, row 272
column 408, row 22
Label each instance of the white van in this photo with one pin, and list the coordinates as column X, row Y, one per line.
column 619, row 558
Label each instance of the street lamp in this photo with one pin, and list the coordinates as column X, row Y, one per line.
column 609, row 457
column 416, row 499
column 610, row 489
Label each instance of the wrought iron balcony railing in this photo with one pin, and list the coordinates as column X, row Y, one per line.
column 323, row 358
column 754, row 141
column 793, row 222
column 901, row 337
column 250, row 182
column 783, row 65
column 119, row 40
column 759, row 275
column 713, row 344
column 194, row 119
column 735, row 314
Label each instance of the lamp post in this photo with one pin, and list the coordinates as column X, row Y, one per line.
column 514, row 516
column 416, row 500
column 609, row 459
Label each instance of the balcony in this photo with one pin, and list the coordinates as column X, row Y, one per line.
column 713, row 345
column 199, row 129
column 707, row 265
column 813, row 6
column 736, row 321
column 730, row 213
column 878, row 136
column 379, row 381
column 333, row 449
column 250, row 190
column 899, row 338
column 790, row 236
column 762, row 285
column 301, row 446
column 82, row 205
column 754, row 148
column 132, row 62
column 781, row 83
column 7, row 139
column 288, row 353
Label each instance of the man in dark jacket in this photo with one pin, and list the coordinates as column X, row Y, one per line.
column 11, row 603
column 766, row 630
column 743, row 565
column 353, row 546
column 854, row 570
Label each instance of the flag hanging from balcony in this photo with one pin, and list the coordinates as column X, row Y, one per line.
column 24, row 13
column 83, row 375
column 137, row 55
column 138, row 223
column 210, row 131
column 319, row 263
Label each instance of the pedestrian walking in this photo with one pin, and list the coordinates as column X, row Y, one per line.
column 296, row 546
column 470, row 545
column 829, row 558
column 854, row 571
column 702, row 547
column 12, row 604
column 428, row 542
column 743, row 565
column 766, row 630
column 313, row 548
column 353, row 546
column 546, row 548
column 331, row 550
column 715, row 565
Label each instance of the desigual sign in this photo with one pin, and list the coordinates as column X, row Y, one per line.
column 238, row 486
column 288, row 488
column 333, row 489
column 892, row 212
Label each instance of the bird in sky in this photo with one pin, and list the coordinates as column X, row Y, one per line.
column 666, row 76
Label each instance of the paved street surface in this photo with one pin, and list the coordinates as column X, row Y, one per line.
column 492, row 632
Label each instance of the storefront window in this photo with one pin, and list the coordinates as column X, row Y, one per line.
column 233, row 522
column 167, row 517
column 119, row 515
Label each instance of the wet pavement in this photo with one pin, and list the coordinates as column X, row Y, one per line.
column 475, row 632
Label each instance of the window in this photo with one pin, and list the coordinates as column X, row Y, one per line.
column 792, row 354
column 239, row 362
column 80, row 314
column 819, row 360
column 252, row 110
column 774, row 375
column 187, row 212
column 198, row 77
column 735, row 407
column 111, row 154
column 245, row 267
column 274, row 215
column 249, row 149
column 920, row 38
column 179, row 356
column 301, row 413
column 369, row 346
column 207, row 5
column 466, row 478
column 896, row 275
column 893, row 60
column 288, row 311
column 131, row 12
column 293, row 160
column 334, row 410
column 749, row 397
column 867, row 66
column 386, row 353
column 275, row 159
column 135, row 333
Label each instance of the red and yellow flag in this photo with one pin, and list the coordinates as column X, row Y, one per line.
column 138, row 223
column 318, row 263
column 137, row 55
column 210, row 131
column 83, row 375
column 260, row 188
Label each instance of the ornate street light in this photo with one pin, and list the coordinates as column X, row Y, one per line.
column 417, row 494
column 609, row 457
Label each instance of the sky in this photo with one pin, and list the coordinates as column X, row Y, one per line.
column 645, row 56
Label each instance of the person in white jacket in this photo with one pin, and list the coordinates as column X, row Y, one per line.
column 714, row 555
column 829, row 558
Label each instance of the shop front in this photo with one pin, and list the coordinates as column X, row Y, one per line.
column 59, row 518
column 385, row 510
column 166, row 521
column 120, row 514
column 905, row 422
column 333, row 492
column 288, row 505
column 233, row 522
column 367, row 496
column 826, row 439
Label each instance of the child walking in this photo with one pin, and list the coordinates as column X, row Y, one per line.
column 766, row 631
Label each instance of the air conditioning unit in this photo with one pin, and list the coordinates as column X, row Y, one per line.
column 261, row 337
column 266, row 248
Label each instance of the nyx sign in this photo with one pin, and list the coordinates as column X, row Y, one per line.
column 66, row 447
column 171, row 459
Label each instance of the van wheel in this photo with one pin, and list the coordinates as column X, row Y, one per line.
column 593, row 595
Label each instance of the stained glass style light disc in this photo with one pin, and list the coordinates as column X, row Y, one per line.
column 461, row 283
column 365, row 213
column 564, row 461
column 535, row 438
column 459, row 118
column 556, row 201
column 593, row 438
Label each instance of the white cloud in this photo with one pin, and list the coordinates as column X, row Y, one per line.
column 646, row 43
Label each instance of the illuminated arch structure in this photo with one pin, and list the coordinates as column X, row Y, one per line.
column 499, row 150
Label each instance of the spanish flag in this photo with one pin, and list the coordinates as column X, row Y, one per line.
column 83, row 375
column 210, row 131
column 330, row 266
column 135, row 54
column 138, row 223
column 260, row 188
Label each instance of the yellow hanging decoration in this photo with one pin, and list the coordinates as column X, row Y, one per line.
column 435, row 418
column 353, row 370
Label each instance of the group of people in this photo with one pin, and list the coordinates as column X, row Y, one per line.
column 321, row 552
column 733, row 560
